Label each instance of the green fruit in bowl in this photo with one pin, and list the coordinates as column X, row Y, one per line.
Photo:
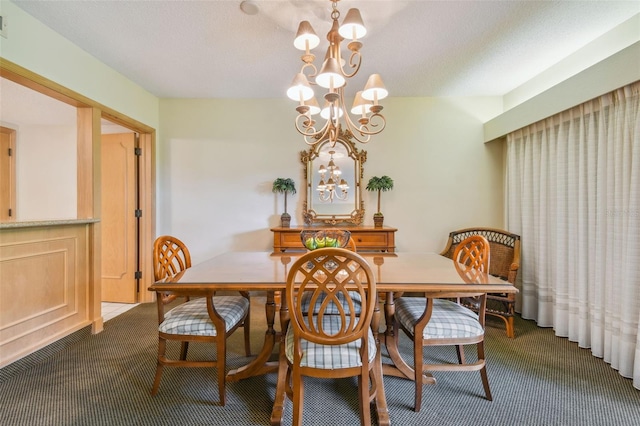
column 310, row 243
column 331, row 242
column 320, row 242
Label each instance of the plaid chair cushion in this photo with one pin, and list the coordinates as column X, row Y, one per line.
column 330, row 357
column 448, row 320
column 332, row 309
column 191, row 318
column 200, row 300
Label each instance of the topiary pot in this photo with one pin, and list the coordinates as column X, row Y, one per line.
column 378, row 219
column 285, row 220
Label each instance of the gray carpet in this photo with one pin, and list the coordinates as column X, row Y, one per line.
column 105, row 379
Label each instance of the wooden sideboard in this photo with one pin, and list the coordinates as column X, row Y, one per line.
column 367, row 238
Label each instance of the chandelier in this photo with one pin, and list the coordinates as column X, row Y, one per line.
column 333, row 77
column 327, row 188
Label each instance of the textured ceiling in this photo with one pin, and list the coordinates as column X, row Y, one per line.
column 212, row 49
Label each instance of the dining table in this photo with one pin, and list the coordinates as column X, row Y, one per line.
column 423, row 273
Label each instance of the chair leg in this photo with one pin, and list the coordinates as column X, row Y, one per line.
column 184, row 348
column 162, row 345
column 418, row 365
column 483, row 372
column 460, row 353
column 510, row 328
column 298, row 398
column 363, row 392
column 221, row 363
column 247, row 335
column 280, row 397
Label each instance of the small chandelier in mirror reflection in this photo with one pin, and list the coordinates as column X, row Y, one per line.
column 331, row 184
column 333, row 77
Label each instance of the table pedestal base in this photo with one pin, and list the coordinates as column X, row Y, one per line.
column 261, row 365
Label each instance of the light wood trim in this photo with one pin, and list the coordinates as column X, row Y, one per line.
column 23, row 76
column 40, row 84
column 11, row 183
column 148, row 219
column 88, row 146
column 89, row 204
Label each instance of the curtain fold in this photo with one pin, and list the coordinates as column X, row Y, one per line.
column 573, row 195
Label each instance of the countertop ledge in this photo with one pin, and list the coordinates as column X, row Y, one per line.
column 40, row 223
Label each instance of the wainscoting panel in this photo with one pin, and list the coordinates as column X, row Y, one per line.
column 44, row 287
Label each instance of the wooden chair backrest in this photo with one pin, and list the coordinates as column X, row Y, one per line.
column 472, row 258
column 504, row 247
column 330, row 274
column 170, row 256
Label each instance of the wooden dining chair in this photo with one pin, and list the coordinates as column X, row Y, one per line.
column 334, row 341
column 209, row 319
column 436, row 320
column 505, row 262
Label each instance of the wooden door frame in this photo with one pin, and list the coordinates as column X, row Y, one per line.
column 89, row 177
column 12, row 171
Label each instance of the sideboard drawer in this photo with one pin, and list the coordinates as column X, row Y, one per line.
column 291, row 239
column 370, row 239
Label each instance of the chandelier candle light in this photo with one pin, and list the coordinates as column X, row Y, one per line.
column 332, row 76
column 327, row 188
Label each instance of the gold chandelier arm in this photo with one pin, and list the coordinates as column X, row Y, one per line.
column 310, row 77
column 371, row 127
column 355, row 59
column 362, row 132
column 305, row 126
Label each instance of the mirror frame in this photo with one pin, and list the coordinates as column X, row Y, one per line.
column 354, row 216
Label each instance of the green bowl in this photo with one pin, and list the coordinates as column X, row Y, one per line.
column 325, row 238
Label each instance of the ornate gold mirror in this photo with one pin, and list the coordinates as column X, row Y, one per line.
column 333, row 182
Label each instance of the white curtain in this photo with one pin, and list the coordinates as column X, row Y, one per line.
column 573, row 195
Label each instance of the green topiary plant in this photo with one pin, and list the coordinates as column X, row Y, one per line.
column 380, row 184
column 284, row 186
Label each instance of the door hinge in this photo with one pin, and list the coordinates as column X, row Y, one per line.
column 10, row 212
column 138, row 275
column 138, row 213
column 10, row 152
column 137, row 151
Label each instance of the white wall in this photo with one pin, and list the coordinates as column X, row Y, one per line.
column 217, row 160
column 46, row 173
column 45, row 152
